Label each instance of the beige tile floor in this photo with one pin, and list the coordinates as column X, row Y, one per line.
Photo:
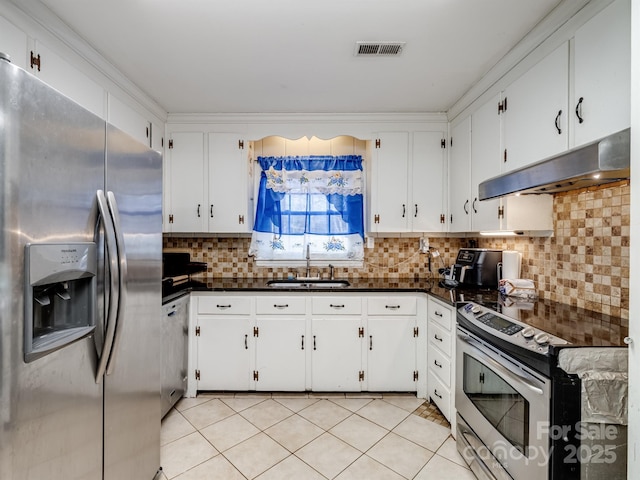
column 307, row 437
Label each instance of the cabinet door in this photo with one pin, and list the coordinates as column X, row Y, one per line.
column 13, row 42
column 428, row 182
column 129, row 120
column 67, row 79
column 228, row 209
column 224, row 353
column 460, row 177
column 336, row 358
column 187, row 212
column 485, row 163
column 280, row 354
column 602, row 82
column 535, row 119
column 391, row 354
column 389, row 196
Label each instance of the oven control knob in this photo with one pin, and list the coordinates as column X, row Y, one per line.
column 541, row 338
column 528, row 332
column 476, row 310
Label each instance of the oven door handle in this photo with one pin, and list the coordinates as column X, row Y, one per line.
column 498, row 366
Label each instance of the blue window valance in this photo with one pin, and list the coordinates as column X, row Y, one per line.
column 312, row 200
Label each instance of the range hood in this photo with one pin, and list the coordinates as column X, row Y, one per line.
column 604, row 161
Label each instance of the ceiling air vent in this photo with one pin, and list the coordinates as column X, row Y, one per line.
column 372, row 49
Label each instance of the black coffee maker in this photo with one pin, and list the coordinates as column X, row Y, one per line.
column 478, row 267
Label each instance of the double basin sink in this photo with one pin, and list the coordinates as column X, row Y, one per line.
column 308, row 283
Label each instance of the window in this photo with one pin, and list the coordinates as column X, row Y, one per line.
column 312, row 202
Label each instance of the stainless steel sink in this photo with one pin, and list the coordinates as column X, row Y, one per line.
column 308, row 283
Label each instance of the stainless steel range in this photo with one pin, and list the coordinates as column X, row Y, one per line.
column 511, row 398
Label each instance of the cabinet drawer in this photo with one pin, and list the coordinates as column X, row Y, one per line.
column 440, row 338
column 441, row 314
column 440, row 365
column 392, row 306
column 342, row 305
column 215, row 305
column 440, row 395
column 281, row 305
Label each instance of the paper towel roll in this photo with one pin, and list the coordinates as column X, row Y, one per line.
column 511, row 261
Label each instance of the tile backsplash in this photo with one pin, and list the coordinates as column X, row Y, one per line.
column 585, row 263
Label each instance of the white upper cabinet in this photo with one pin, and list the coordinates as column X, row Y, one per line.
column 428, row 181
column 460, row 177
column 67, row 79
column 208, row 184
column 534, row 111
column 408, row 186
column 129, row 120
column 13, row 42
column 389, row 196
column 602, row 79
column 185, row 157
column 485, row 163
column 228, row 207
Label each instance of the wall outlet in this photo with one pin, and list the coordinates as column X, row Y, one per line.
column 424, row 245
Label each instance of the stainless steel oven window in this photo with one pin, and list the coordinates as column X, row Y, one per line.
column 502, row 406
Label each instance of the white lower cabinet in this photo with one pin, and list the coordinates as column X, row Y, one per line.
column 280, row 327
column 391, row 354
column 441, row 357
column 391, row 343
column 280, row 354
column 336, row 355
column 224, row 356
column 346, row 342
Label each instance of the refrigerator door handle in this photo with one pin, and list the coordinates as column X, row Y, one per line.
column 122, row 279
column 114, row 274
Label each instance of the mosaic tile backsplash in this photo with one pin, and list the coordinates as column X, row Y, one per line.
column 585, row 263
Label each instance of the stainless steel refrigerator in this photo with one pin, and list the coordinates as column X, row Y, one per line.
column 80, row 291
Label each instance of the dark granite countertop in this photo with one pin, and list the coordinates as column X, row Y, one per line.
column 576, row 325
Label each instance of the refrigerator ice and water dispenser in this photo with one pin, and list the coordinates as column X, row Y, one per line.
column 60, row 288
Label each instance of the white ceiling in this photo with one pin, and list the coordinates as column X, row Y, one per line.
column 297, row 56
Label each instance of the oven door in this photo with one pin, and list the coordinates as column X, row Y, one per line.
column 506, row 407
